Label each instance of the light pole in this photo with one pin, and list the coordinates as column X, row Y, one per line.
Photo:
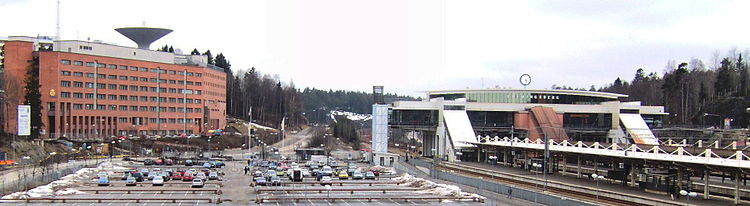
column 536, row 179
column 597, row 178
column 688, row 195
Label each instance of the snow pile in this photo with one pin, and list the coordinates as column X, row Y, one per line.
column 430, row 187
column 383, row 170
column 258, row 126
column 350, row 115
column 63, row 185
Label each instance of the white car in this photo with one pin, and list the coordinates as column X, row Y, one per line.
column 158, row 181
column 326, row 180
column 197, row 183
column 201, row 176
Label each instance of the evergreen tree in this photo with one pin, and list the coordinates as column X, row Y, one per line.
column 725, row 83
column 171, row 50
column 210, row 56
column 195, row 52
column 33, row 97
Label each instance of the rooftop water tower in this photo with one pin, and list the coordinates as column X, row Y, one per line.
column 143, row 36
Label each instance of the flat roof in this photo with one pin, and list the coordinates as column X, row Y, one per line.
column 608, row 95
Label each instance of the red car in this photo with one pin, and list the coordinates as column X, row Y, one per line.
column 168, row 162
column 375, row 172
column 177, row 175
column 187, row 177
column 159, row 162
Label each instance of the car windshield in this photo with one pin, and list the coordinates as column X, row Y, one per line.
column 158, row 178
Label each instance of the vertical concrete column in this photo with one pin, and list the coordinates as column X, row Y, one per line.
column 706, row 175
column 632, row 175
column 578, row 169
column 737, row 188
column 564, row 166
column 679, row 179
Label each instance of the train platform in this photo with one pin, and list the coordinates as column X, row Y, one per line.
column 604, row 185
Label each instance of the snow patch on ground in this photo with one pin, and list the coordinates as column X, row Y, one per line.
column 429, row 187
column 350, row 115
column 258, row 126
column 63, row 185
column 383, row 170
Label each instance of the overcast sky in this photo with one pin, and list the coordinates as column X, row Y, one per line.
column 410, row 46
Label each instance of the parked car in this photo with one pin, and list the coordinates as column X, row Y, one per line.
column 148, row 162
column 177, row 176
column 327, row 171
column 158, row 181
column 138, row 176
column 159, row 162
column 151, row 175
column 213, row 176
column 357, row 175
column 260, row 181
column 197, row 183
column 169, row 162
column 103, row 181
column 144, row 172
column 201, row 176
column 125, row 176
column 343, row 175
column 187, row 177
column 188, row 163
column 275, row 181
column 206, row 165
column 258, row 173
column 131, row 181
column 377, row 173
column 370, row 175
column 166, row 176
column 326, row 180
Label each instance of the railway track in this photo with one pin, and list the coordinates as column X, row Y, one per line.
column 556, row 188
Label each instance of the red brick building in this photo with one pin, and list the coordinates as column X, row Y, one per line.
column 94, row 90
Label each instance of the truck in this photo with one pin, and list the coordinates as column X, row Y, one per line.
column 296, row 175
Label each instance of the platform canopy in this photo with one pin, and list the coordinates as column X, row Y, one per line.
column 637, row 129
column 459, row 128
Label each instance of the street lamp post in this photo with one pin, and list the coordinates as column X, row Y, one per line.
column 536, row 179
column 597, row 178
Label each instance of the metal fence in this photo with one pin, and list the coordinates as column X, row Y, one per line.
column 31, row 177
column 515, row 192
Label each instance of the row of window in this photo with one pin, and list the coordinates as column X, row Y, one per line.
column 133, row 88
column 135, row 108
column 131, row 68
column 160, row 120
column 78, row 95
column 131, row 78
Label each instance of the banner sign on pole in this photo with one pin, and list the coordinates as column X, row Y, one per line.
column 24, row 120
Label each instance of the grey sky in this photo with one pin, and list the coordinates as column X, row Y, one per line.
column 414, row 45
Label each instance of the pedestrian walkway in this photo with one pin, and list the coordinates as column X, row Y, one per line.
column 236, row 187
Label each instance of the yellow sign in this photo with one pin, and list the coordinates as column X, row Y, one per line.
column 52, row 92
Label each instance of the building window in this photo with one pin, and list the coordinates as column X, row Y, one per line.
column 90, row 75
column 172, row 72
column 189, row 110
column 153, row 89
column 152, row 120
column 78, row 106
column 162, row 109
column 172, row 90
column 112, row 77
column 198, row 92
column 78, row 84
column 123, row 97
column 123, row 87
column 132, row 78
column 172, row 82
column 144, row 88
column 112, row 97
column 133, row 108
column 133, row 88
column 100, row 65
column 101, row 96
column 122, row 119
column 113, row 86
column 197, row 110
column 132, row 68
column 78, row 74
column 65, row 83
column 134, row 98
column 89, row 95
column 89, row 85
column 143, row 69
column 77, row 95
column 123, row 108
column 101, row 76
column 101, row 86
column 198, row 74
column 180, row 100
column 189, row 83
column 153, row 70
column 197, row 101
column 181, row 73
column 101, row 107
column 90, row 64
column 180, row 82
column 180, row 109
column 65, row 94
column 189, row 101
column 144, row 98
column 123, row 67
column 172, row 100
column 190, row 74
column 154, row 99
column 144, row 79
column 162, row 90
column 78, row 63
column 152, row 108
column 65, row 73
column 89, row 106
column 162, row 99
column 144, row 108
column 65, row 61
column 112, row 66
column 154, row 80
column 113, row 107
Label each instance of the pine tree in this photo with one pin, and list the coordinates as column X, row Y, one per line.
column 33, row 97
column 210, row 56
column 195, row 52
column 171, row 50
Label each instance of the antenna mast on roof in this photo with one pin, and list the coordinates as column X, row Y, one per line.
column 57, row 29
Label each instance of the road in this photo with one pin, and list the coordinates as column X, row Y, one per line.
column 292, row 141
